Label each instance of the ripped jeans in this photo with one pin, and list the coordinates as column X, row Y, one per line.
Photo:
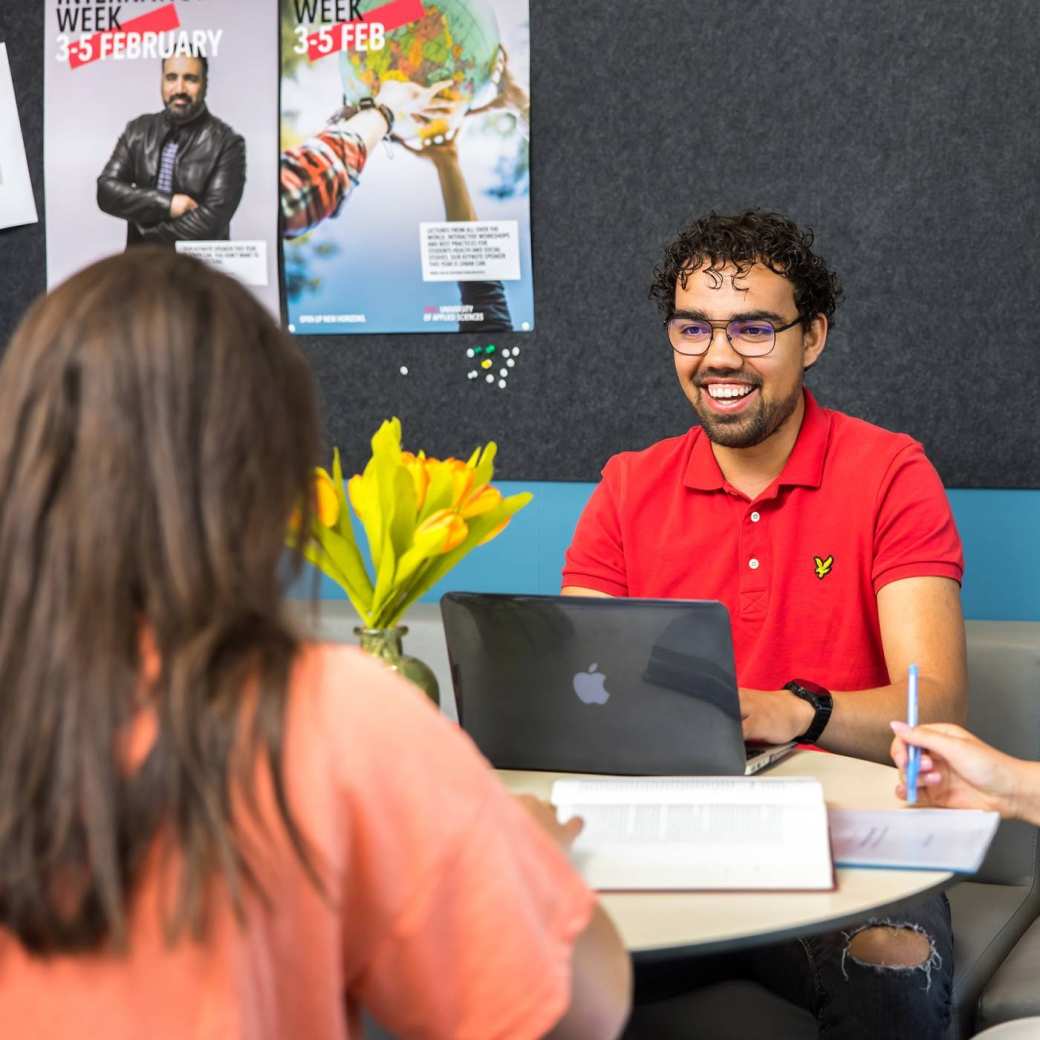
column 850, row 999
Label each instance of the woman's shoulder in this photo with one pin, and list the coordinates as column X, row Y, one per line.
column 369, row 717
column 345, row 680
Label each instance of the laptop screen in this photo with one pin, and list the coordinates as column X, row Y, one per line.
column 596, row 685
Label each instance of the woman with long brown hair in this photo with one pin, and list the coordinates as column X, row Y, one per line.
column 209, row 828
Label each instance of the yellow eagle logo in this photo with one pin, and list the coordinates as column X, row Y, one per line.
column 823, row 566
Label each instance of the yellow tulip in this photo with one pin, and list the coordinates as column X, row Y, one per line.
column 356, row 494
column 448, row 482
column 326, row 501
column 480, row 501
column 448, row 521
column 417, row 513
column 416, row 466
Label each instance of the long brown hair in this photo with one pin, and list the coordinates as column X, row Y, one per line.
column 156, row 431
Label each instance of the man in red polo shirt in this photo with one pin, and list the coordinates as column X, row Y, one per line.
column 832, row 545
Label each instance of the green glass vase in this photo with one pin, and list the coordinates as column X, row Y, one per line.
column 385, row 643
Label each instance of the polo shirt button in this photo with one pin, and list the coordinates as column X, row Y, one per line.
column 755, row 517
column 753, row 563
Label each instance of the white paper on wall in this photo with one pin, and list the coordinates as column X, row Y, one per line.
column 17, row 206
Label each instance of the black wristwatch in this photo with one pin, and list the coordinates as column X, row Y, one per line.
column 383, row 110
column 822, row 702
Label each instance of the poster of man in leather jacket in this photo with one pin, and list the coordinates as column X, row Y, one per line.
column 177, row 174
column 160, row 127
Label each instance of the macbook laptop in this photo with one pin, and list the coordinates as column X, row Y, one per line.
column 582, row 684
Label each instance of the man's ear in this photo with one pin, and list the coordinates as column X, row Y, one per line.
column 814, row 339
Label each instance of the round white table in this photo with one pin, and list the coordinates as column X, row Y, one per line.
column 716, row 921
column 1018, row 1029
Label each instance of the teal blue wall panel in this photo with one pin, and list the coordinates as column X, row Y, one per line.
column 1000, row 530
column 1001, row 535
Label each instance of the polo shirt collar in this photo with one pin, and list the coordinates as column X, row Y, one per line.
column 804, row 466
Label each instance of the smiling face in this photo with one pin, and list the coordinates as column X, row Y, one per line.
column 183, row 87
column 743, row 401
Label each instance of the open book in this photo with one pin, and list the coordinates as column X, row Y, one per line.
column 699, row 832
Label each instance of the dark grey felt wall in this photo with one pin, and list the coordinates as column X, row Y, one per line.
column 905, row 133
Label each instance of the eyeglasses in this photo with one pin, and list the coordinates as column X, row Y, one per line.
column 749, row 337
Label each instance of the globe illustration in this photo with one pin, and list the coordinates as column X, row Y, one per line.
column 457, row 40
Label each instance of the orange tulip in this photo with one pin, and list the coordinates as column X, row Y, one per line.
column 480, row 501
column 448, row 520
column 461, row 480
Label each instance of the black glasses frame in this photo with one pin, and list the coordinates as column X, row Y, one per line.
column 720, row 324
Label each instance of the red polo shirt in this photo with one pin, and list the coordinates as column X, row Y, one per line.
column 856, row 507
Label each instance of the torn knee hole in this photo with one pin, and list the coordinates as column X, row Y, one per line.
column 891, row 946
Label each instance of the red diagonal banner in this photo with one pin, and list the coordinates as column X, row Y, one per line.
column 343, row 36
column 162, row 19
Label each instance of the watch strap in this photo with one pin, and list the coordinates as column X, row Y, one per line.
column 822, row 703
column 384, row 110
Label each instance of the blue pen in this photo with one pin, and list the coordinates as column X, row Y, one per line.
column 913, row 762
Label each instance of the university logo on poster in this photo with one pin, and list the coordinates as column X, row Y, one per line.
column 405, row 177
column 159, row 129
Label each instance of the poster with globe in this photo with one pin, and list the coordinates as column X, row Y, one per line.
column 404, row 172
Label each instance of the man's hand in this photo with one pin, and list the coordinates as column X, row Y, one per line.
column 545, row 816
column 444, row 154
column 510, row 95
column 774, row 717
column 181, row 204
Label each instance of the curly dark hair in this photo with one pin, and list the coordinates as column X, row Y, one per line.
column 754, row 236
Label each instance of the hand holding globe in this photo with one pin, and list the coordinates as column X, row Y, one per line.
column 455, row 46
column 413, row 103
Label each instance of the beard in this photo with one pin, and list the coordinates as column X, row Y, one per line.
column 184, row 115
column 747, row 430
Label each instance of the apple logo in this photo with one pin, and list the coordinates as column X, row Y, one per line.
column 589, row 686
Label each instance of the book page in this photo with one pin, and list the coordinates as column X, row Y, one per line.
column 711, row 833
column 718, row 790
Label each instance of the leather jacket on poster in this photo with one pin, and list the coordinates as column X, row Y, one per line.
column 210, row 167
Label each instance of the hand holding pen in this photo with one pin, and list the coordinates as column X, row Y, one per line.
column 956, row 770
column 913, row 758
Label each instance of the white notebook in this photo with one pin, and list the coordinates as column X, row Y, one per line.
column 913, row 839
column 699, row 832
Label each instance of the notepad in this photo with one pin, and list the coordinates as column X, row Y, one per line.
column 913, row 839
column 673, row 833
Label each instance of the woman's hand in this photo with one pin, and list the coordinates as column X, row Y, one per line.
column 545, row 816
column 959, row 771
column 409, row 100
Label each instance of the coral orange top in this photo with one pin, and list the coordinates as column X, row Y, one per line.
column 451, row 913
